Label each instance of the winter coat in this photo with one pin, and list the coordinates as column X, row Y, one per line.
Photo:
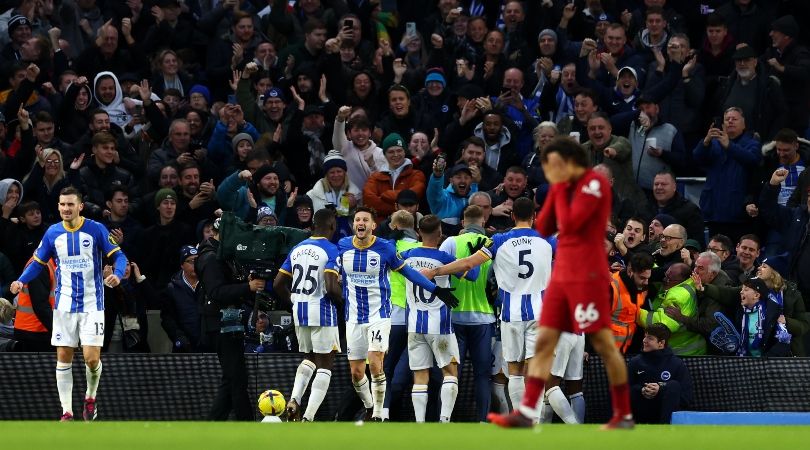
column 381, row 189
column 660, row 366
column 444, row 202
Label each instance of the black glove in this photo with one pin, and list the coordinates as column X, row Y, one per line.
column 479, row 244
column 446, row 295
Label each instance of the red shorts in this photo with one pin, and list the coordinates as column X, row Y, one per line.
column 576, row 307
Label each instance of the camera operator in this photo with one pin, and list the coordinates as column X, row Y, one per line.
column 222, row 291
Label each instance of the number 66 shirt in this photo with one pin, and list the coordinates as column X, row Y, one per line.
column 307, row 264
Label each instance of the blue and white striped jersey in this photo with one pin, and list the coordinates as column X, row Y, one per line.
column 307, row 265
column 522, row 264
column 426, row 313
column 366, row 289
column 78, row 254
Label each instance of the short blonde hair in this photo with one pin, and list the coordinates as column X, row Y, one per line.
column 402, row 220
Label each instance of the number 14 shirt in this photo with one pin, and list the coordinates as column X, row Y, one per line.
column 307, row 265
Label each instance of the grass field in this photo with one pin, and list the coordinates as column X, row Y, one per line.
column 387, row 436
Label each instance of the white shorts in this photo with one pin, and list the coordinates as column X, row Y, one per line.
column 423, row 348
column 71, row 328
column 568, row 356
column 498, row 363
column 362, row 338
column 518, row 340
column 321, row 340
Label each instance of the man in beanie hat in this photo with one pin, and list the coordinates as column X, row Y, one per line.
column 336, row 190
column 789, row 61
column 266, row 217
column 382, row 188
column 19, row 31
column 433, row 101
column 158, row 254
column 199, row 97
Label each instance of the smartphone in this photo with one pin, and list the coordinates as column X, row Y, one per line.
column 348, row 23
column 232, row 99
column 139, row 110
column 718, row 122
column 410, row 28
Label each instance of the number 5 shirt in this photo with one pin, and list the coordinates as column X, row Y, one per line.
column 522, row 264
column 307, row 265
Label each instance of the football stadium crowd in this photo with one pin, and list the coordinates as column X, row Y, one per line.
column 165, row 113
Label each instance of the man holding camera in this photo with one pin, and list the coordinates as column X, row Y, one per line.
column 225, row 293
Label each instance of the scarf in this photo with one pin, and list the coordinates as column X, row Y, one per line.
column 747, row 345
column 565, row 104
column 316, row 150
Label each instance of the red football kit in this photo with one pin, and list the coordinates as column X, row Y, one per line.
column 578, row 295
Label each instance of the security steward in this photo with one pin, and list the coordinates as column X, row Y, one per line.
column 629, row 291
column 33, row 323
column 223, row 293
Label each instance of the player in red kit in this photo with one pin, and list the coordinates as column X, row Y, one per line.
column 577, row 299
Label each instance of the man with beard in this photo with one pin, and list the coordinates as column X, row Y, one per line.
column 672, row 250
column 628, row 294
column 513, row 187
column 196, row 201
column 449, row 202
column 472, row 154
column 678, row 290
column 244, row 192
column 500, row 152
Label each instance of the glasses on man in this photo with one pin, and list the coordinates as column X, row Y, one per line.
column 716, row 249
column 303, row 209
column 665, row 237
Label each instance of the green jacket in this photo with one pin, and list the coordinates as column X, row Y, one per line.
column 396, row 279
column 683, row 342
column 473, row 307
column 621, row 166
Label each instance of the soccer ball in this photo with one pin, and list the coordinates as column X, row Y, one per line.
column 272, row 403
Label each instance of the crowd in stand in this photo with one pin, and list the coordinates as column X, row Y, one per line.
column 164, row 113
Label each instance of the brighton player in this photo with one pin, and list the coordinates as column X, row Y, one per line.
column 78, row 246
column 309, row 279
column 569, row 355
column 578, row 296
column 365, row 262
column 430, row 330
column 522, row 266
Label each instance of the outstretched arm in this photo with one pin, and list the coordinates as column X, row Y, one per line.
column 459, row 266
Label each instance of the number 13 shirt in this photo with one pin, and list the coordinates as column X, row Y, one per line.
column 522, row 264
column 307, row 265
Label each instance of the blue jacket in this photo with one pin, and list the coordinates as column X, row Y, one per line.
column 444, row 202
column 232, row 196
column 727, row 177
column 220, row 146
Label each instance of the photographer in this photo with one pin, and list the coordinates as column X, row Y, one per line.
column 223, row 292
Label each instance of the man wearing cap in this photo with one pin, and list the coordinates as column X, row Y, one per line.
column 789, row 61
column 180, row 315
column 159, row 245
column 406, row 201
column 383, row 186
column 758, row 95
column 678, row 290
column 449, row 202
column 619, row 101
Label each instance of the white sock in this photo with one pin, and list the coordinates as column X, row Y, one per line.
column 302, row 376
column 319, row 387
column 93, row 376
column 362, row 389
column 578, row 405
column 546, row 413
column 419, row 396
column 448, row 396
column 64, row 384
column 378, row 386
column 500, row 393
column 386, row 413
column 560, row 405
column 516, row 387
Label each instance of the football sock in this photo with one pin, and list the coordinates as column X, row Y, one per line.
column 64, row 384
column 546, row 412
column 578, row 405
column 93, row 376
column 302, row 377
column 500, row 393
column 448, row 396
column 620, row 396
column 319, row 387
column 378, row 386
column 560, row 405
column 534, row 389
column 516, row 388
column 362, row 389
column 419, row 396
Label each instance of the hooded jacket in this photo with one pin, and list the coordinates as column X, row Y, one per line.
column 508, row 156
column 4, row 187
column 116, row 110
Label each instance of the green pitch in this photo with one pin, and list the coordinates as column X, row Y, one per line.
column 386, row 436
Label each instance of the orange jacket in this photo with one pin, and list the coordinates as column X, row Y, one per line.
column 26, row 319
column 380, row 195
column 623, row 312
